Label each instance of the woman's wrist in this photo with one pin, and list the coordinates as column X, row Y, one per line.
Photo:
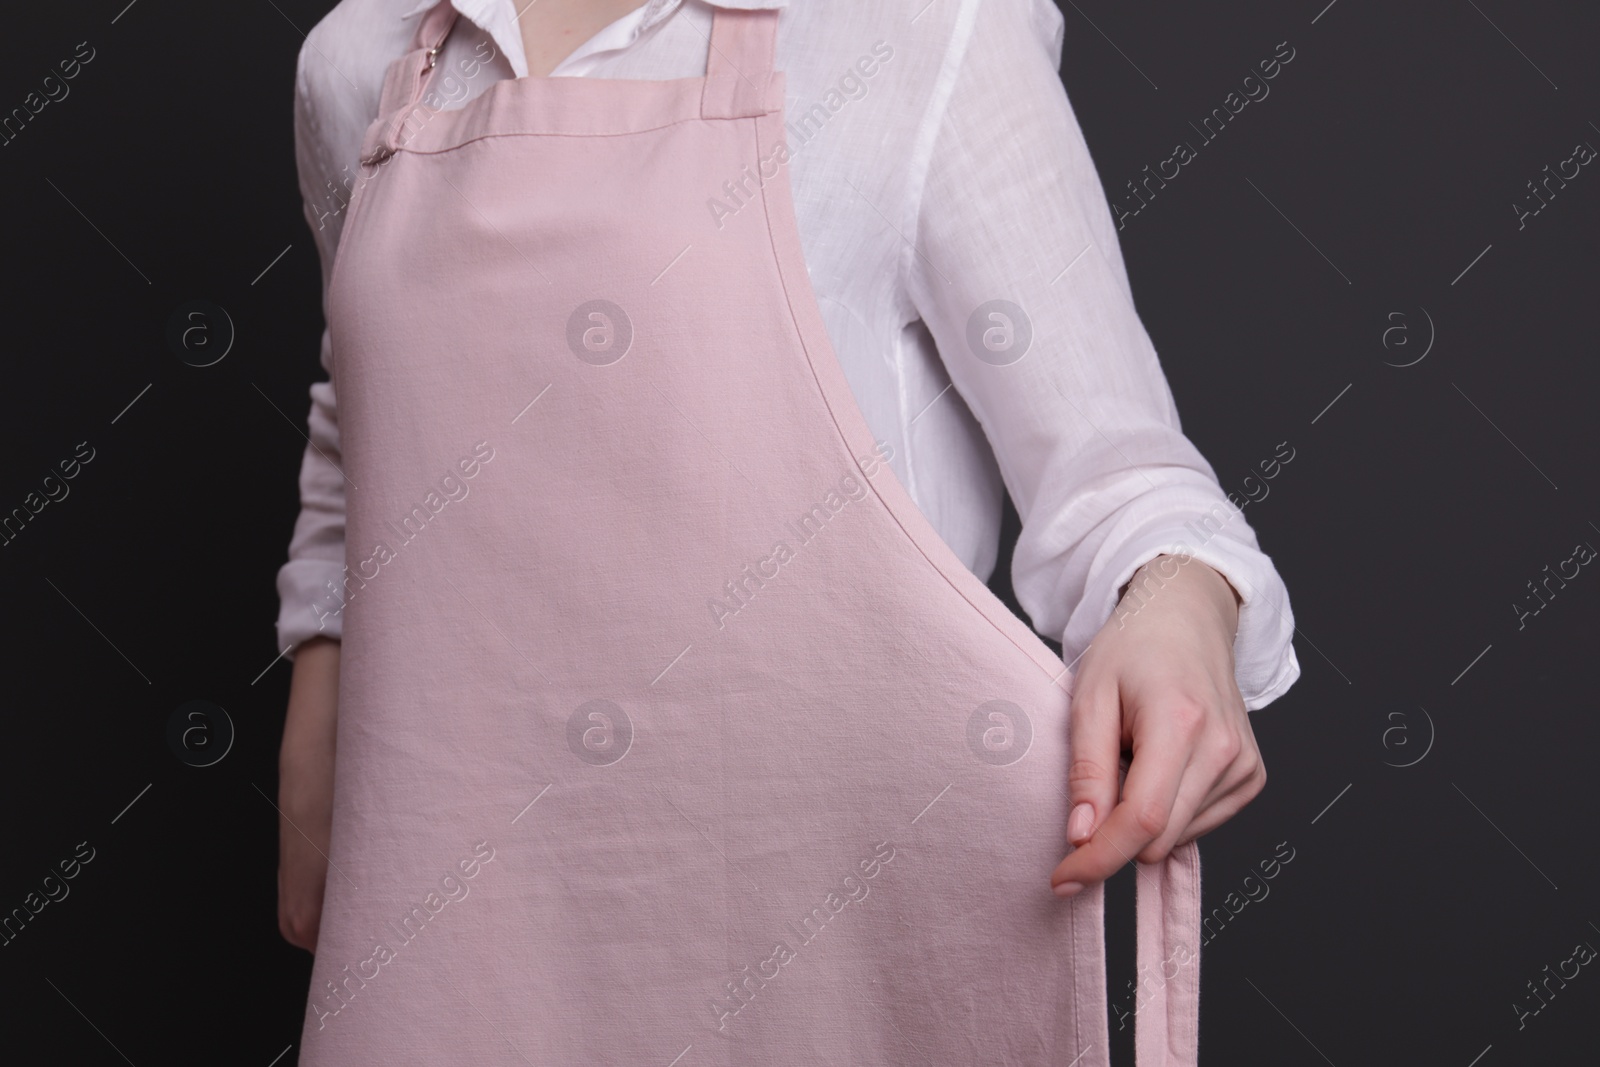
column 1199, row 584
column 311, row 721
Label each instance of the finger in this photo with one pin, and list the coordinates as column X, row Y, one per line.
column 1222, row 764
column 1236, row 785
column 1154, row 777
column 1095, row 746
column 1224, row 808
column 1192, row 790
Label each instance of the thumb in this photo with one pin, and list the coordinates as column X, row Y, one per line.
column 1094, row 739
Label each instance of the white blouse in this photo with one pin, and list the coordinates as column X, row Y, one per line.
column 967, row 266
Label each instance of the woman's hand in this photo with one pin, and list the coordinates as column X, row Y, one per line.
column 1158, row 680
column 305, row 790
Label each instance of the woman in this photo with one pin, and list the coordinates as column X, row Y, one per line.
column 681, row 354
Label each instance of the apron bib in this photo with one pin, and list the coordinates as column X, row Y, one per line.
column 670, row 731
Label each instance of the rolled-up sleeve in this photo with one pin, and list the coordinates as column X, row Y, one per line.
column 1018, row 275
column 308, row 584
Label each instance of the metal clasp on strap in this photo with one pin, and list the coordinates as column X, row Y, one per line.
column 433, row 55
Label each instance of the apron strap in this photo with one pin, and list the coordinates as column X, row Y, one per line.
column 1166, row 1028
column 739, row 79
column 399, row 115
column 434, row 27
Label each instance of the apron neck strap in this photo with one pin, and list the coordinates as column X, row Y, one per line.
column 739, row 76
column 739, row 80
column 743, row 41
column 434, row 27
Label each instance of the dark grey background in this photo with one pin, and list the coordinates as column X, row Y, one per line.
column 1378, row 177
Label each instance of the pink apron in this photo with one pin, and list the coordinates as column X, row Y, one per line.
column 670, row 731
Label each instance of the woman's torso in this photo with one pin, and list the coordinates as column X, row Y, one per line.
column 864, row 98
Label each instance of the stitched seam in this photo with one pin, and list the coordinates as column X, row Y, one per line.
column 576, row 133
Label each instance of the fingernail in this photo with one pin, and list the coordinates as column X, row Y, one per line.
column 1066, row 889
column 1079, row 821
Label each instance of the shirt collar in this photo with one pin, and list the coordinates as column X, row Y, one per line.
column 498, row 18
